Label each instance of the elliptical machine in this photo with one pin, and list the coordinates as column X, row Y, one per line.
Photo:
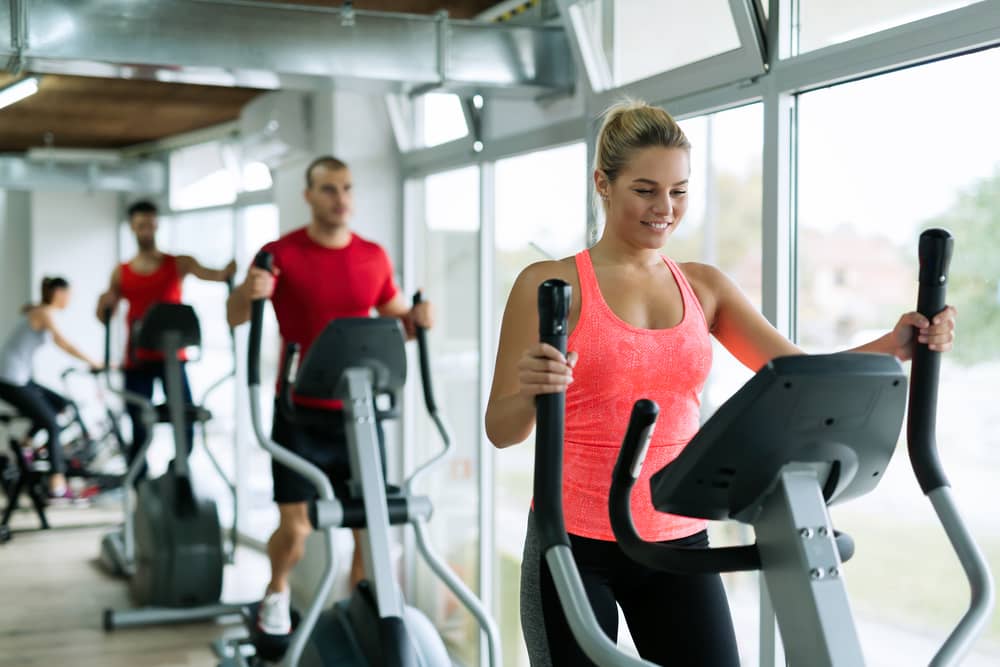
column 803, row 433
column 356, row 360
column 170, row 546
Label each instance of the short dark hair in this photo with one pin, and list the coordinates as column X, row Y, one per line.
column 144, row 206
column 49, row 287
column 328, row 161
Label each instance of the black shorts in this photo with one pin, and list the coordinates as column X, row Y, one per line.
column 325, row 446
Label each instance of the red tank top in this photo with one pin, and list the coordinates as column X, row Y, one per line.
column 618, row 365
column 142, row 290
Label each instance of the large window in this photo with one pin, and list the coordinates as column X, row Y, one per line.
column 440, row 119
column 879, row 161
column 824, row 22
column 449, row 275
column 540, row 213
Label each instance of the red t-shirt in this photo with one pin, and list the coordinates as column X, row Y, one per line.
column 316, row 284
column 142, row 290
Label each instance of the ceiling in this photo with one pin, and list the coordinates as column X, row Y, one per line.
column 89, row 112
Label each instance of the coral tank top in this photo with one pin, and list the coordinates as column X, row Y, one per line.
column 619, row 364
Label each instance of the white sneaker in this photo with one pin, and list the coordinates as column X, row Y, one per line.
column 275, row 616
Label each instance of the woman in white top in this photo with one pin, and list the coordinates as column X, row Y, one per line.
column 17, row 388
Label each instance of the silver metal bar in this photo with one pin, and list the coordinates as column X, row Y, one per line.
column 355, row 390
column 26, row 174
column 804, row 574
column 130, row 618
column 580, row 615
column 325, row 490
column 176, row 403
column 977, row 571
column 272, row 46
column 461, row 591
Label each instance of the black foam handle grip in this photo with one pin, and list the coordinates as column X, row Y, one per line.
column 425, row 362
column 935, row 257
column 553, row 315
column 263, row 260
column 107, row 338
column 640, row 424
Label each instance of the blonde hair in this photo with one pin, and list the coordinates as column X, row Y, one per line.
column 631, row 125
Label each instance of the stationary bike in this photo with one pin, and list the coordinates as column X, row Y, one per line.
column 355, row 360
column 805, row 432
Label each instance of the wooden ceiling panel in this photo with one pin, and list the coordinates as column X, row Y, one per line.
column 87, row 112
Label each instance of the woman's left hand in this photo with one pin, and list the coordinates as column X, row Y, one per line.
column 913, row 328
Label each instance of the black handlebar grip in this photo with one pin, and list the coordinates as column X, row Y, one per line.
column 263, row 260
column 107, row 337
column 636, row 441
column 935, row 257
column 425, row 362
column 629, row 463
column 553, row 314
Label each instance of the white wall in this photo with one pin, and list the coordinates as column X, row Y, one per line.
column 355, row 128
column 73, row 235
column 15, row 243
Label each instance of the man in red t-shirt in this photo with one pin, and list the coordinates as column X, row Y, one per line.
column 322, row 272
column 148, row 278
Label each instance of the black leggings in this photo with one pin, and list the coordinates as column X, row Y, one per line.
column 41, row 406
column 140, row 381
column 675, row 620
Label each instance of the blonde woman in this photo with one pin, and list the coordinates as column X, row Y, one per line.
column 640, row 327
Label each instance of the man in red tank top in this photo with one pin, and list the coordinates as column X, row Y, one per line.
column 322, row 272
column 148, row 278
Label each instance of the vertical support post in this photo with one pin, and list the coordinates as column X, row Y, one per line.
column 487, row 345
column 803, row 573
column 366, row 468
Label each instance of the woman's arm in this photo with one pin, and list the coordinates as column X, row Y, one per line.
column 524, row 367
column 189, row 265
column 939, row 334
column 735, row 321
column 751, row 338
column 49, row 325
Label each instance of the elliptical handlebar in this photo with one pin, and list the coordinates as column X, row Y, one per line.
column 423, row 355
column 316, row 477
column 554, row 298
column 680, row 560
column 935, row 250
column 265, row 261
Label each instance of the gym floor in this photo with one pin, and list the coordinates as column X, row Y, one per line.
column 54, row 593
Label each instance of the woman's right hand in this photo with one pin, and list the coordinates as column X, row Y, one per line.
column 542, row 369
column 259, row 284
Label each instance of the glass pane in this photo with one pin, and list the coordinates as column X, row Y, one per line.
column 441, row 119
column 541, row 201
column 255, row 176
column 872, row 175
column 450, row 281
column 825, row 22
column 722, row 227
column 639, row 38
column 199, row 177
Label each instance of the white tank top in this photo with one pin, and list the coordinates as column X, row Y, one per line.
column 18, row 352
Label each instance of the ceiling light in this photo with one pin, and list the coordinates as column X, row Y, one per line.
column 17, row 91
